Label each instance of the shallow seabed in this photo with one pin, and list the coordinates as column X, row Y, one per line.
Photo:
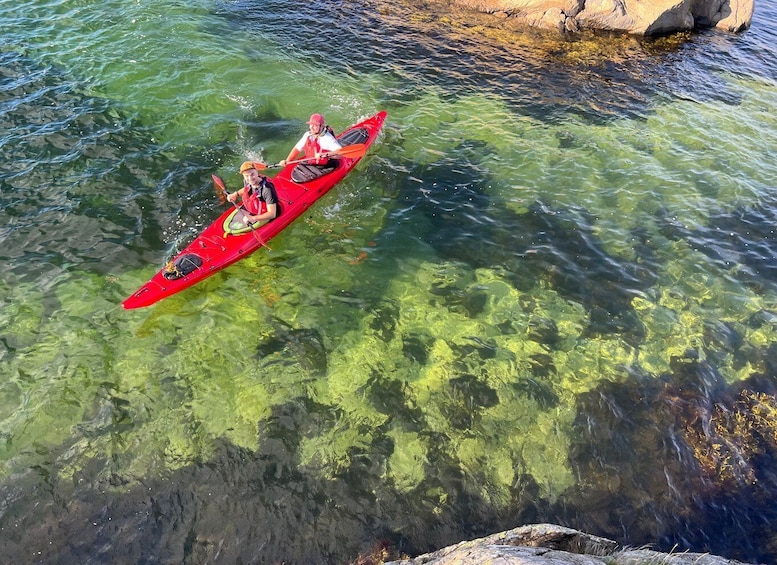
column 548, row 293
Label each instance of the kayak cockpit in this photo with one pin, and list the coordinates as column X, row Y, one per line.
column 236, row 224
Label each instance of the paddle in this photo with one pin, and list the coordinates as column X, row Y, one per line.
column 221, row 189
column 354, row 151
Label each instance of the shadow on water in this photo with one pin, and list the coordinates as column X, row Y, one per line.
column 682, row 459
column 258, row 506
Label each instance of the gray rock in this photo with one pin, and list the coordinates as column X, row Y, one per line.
column 548, row 544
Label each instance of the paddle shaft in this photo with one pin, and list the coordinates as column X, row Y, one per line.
column 352, row 151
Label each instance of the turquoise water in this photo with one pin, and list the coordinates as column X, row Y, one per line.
column 548, row 292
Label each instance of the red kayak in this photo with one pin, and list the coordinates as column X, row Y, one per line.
column 227, row 240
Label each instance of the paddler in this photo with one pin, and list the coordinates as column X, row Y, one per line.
column 320, row 148
column 257, row 196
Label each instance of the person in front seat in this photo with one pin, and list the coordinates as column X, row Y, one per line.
column 257, row 195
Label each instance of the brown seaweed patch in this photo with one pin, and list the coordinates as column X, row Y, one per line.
column 736, row 436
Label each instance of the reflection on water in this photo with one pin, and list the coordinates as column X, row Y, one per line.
column 546, row 295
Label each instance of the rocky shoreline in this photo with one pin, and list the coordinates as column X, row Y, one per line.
column 659, row 17
column 548, row 544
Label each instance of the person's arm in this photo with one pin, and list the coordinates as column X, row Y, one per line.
column 291, row 157
column 232, row 196
column 296, row 150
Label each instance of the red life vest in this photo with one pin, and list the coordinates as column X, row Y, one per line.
column 312, row 146
column 252, row 202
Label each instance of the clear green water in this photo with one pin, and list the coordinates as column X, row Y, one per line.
column 523, row 306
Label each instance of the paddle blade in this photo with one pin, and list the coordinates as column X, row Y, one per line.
column 353, row 151
column 220, row 187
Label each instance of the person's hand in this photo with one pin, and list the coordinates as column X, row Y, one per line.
column 282, row 163
column 231, row 196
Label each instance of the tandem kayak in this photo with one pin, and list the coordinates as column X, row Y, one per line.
column 219, row 245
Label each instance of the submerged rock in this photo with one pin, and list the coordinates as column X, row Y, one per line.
column 548, row 544
column 637, row 17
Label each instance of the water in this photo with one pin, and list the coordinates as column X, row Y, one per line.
column 548, row 293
